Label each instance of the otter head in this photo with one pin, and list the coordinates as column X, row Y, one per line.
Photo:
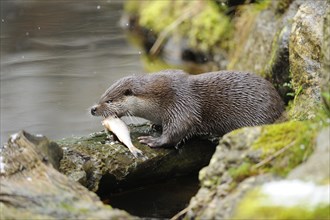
column 141, row 95
column 116, row 100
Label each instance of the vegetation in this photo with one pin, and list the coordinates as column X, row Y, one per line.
column 295, row 138
column 279, row 149
column 254, row 206
column 203, row 23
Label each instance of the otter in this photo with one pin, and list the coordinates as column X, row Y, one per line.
column 188, row 105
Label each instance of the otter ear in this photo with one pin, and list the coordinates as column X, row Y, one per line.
column 128, row 92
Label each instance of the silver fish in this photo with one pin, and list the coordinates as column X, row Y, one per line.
column 120, row 129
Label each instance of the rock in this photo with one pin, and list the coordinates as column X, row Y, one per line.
column 317, row 167
column 285, row 199
column 285, row 50
column 227, row 205
column 277, row 69
column 30, row 188
column 48, row 150
column 215, row 178
column 229, row 154
column 266, row 41
column 325, row 83
column 304, row 194
column 306, row 57
column 103, row 166
column 245, row 158
column 259, row 28
column 28, row 179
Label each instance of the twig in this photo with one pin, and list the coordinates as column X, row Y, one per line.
column 162, row 36
column 180, row 214
column 271, row 157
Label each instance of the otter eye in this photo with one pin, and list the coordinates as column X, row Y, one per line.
column 128, row 92
column 109, row 101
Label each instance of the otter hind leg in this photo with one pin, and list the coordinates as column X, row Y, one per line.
column 156, row 127
column 171, row 136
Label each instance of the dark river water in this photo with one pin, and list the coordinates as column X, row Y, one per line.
column 57, row 58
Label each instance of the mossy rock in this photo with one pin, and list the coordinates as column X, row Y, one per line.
column 286, row 50
column 286, row 199
column 316, row 168
column 325, row 84
column 205, row 26
column 104, row 166
column 254, row 154
column 296, row 139
column 304, row 194
column 209, row 28
column 32, row 189
column 278, row 149
column 306, row 58
column 255, row 30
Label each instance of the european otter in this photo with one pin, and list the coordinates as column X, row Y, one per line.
column 187, row 105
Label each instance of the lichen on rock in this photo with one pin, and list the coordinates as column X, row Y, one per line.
column 30, row 188
column 103, row 166
column 296, row 139
column 303, row 195
column 285, row 199
column 249, row 156
column 305, row 57
column 286, row 50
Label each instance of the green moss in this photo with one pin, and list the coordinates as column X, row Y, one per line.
column 132, row 6
column 289, row 88
column 294, row 140
column 267, row 72
column 206, row 28
column 299, row 135
column 155, row 64
column 162, row 10
column 73, row 209
column 303, row 107
column 254, row 206
column 211, row 182
column 282, row 6
column 326, row 101
column 241, row 172
column 208, row 181
column 261, row 5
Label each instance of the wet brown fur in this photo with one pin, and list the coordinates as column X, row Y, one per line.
column 187, row 105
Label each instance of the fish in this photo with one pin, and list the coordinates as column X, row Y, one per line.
column 120, row 129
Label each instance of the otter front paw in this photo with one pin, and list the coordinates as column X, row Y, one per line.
column 150, row 141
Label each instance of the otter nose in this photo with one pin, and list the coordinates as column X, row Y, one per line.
column 93, row 110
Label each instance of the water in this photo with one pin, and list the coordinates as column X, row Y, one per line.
column 57, row 58
column 160, row 200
